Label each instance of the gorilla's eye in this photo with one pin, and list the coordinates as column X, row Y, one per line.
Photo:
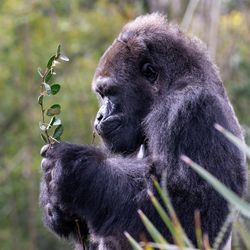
column 149, row 72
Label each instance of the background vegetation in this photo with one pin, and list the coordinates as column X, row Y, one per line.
column 30, row 30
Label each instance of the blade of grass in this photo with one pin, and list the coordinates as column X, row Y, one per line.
column 244, row 234
column 166, row 246
column 198, row 231
column 148, row 247
column 230, row 196
column 235, row 140
column 206, row 242
column 152, row 230
column 175, row 221
column 164, row 196
column 135, row 245
column 220, row 236
column 165, row 218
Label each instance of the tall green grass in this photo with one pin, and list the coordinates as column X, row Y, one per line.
column 172, row 223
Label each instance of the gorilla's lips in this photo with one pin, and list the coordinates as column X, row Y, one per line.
column 109, row 125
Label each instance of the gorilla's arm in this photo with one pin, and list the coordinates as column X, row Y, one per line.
column 103, row 191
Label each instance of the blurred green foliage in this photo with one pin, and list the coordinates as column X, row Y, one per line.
column 30, row 30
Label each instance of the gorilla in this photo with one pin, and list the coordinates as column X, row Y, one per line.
column 160, row 96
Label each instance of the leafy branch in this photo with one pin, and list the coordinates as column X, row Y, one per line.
column 48, row 88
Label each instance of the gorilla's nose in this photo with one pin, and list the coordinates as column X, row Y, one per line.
column 99, row 117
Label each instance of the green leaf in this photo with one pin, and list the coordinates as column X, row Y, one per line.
column 48, row 76
column 55, row 88
column 152, row 230
column 40, row 99
column 229, row 195
column 55, row 106
column 47, row 88
column 54, row 110
column 58, row 51
column 133, row 242
column 50, row 62
column 44, row 138
column 57, row 122
column 58, row 132
column 39, row 70
column 63, row 58
column 54, row 121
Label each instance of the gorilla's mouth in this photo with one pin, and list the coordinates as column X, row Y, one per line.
column 109, row 125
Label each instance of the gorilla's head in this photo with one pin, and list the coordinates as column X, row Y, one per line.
column 136, row 71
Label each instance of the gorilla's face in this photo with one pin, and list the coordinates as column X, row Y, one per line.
column 125, row 82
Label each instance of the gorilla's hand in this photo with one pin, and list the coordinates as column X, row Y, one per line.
column 63, row 166
column 54, row 217
column 77, row 178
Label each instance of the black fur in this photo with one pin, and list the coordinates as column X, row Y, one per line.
column 158, row 88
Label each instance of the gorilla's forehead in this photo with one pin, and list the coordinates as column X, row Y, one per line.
column 102, row 83
column 111, row 59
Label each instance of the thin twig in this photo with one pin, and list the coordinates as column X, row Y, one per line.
column 79, row 233
column 93, row 137
column 189, row 14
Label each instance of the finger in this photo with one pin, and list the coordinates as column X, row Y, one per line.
column 48, row 177
column 53, row 173
column 44, row 149
column 46, row 164
column 52, row 187
column 52, row 150
column 48, row 209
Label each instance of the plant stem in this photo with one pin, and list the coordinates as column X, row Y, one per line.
column 42, row 107
column 79, row 232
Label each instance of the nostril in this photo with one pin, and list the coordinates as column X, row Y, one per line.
column 98, row 120
column 99, row 117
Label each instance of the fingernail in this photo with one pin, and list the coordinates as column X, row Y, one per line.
column 44, row 150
